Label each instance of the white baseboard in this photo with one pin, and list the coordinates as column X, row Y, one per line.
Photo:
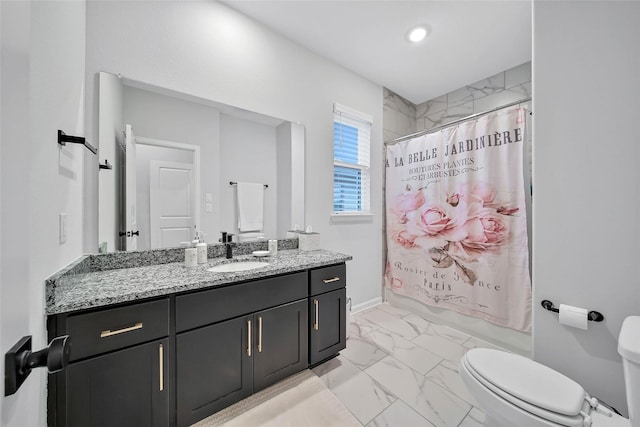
column 364, row 305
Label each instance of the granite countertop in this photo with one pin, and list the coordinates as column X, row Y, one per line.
column 82, row 290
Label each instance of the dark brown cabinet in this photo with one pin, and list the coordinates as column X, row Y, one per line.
column 327, row 313
column 220, row 364
column 124, row 388
column 213, row 369
column 221, row 361
column 280, row 343
column 178, row 359
column 327, row 331
column 119, row 367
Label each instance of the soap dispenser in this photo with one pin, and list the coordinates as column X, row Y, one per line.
column 201, row 247
column 190, row 255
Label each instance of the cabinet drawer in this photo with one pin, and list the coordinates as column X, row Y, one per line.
column 327, row 279
column 211, row 306
column 110, row 329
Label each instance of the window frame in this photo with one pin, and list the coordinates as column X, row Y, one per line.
column 365, row 192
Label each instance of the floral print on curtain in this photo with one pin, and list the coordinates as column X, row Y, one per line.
column 456, row 219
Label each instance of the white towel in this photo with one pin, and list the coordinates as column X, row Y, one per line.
column 250, row 206
column 250, row 237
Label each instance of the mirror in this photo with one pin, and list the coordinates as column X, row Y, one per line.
column 174, row 157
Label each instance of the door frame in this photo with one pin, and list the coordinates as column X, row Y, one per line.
column 195, row 152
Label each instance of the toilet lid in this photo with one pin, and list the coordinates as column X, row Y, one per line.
column 528, row 381
column 629, row 339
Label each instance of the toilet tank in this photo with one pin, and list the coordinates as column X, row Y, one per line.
column 629, row 349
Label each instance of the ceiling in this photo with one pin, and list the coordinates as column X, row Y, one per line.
column 468, row 40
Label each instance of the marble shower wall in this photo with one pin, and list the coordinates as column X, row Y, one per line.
column 399, row 116
column 402, row 117
column 500, row 89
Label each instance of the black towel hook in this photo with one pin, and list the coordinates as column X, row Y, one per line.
column 63, row 138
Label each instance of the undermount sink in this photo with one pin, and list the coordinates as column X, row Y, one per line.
column 237, row 266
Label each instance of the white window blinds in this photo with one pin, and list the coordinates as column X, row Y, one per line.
column 351, row 161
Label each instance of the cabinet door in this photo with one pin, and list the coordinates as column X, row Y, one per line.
column 327, row 325
column 126, row 388
column 280, row 343
column 214, row 368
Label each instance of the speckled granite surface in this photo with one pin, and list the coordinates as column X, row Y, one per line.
column 129, row 259
column 84, row 285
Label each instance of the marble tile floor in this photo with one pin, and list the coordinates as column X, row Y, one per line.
column 399, row 370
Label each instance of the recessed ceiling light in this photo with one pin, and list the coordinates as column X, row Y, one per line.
column 417, row 34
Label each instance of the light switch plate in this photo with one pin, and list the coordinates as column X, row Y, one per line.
column 63, row 227
column 208, row 207
column 208, row 197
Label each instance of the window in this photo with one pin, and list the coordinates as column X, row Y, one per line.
column 351, row 174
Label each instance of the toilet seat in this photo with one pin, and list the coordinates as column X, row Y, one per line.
column 536, row 389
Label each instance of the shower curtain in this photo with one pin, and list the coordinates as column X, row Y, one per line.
column 456, row 219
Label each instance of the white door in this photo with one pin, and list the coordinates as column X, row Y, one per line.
column 171, row 203
column 131, row 222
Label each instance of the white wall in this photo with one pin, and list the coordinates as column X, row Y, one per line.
column 586, row 203
column 109, row 139
column 284, row 177
column 1, row 192
column 43, row 58
column 290, row 167
column 208, row 50
column 15, row 37
column 297, row 175
column 247, row 154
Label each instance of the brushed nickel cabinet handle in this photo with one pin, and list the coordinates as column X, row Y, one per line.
column 259, row 334
column 110, row 333
column 249, row 338
column 316, row 324
column 161, row 354
column 333, row 279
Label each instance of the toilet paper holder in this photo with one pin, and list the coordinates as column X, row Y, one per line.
column 594, row 316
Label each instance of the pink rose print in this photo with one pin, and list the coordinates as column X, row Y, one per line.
column 486, row 231
column 436, row 220
column 467, row 224
column 407, row 202
column 507, row 210
column 482, row 192
column 453, row 199
column 396, row 283
column 404, row 238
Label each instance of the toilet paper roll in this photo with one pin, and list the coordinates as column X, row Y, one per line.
column 576, row 317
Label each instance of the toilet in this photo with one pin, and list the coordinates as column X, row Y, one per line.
column 515, row 391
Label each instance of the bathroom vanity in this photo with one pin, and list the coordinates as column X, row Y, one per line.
column 156, row 354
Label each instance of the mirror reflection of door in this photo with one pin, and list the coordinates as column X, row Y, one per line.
column 130, row 213
column 171, row 203
column 167, row 188
column 223, row 134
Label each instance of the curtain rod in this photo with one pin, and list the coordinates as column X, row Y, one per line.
column 472, row 116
